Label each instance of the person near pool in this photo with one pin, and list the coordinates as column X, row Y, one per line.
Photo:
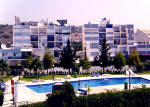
column 85, row 86
column 79, row 83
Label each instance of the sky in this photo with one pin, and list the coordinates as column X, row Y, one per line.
column 78, row 12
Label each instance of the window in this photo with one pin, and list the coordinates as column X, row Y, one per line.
column 124, row 41
column 50, row 37
column 130, row 43
column 117, row 35
column 148, row 46
column 34, row 44
column 130, row 38
column 58, row 30
column 50, row 44
column 94, row 25
column 123, row 35
column 87, row 25
column 102, row 35
column 42, row 31
column 109, row 38
column 59, row 44
column 88, row 38
column 141, row 46
column 142, row 52
column 58, row 37
column 109, row 32
column 95, row 38
column 4, row 54
column 94, row 32
column 94, row 53
column 102, row 29
column 123, row 28
column 116, row 29
column 129, row 26
column 148, row 52
column 123, row 49
column 21, row 33
column 34, row 31
column 34, row 37
column 117, row 41
column 109, row 26
column 94, row 45
column 87, row 32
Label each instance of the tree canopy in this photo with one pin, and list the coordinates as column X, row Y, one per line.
column 85, row 63
column 36, row 64
column 48, row 60
column 103, row 59
column 64, row 97
column 67, row 56
column 119, row 60
column 4, row 68
column 134, row 59
column 28, row 62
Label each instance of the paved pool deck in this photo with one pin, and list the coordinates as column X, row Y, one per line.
column 26, row 95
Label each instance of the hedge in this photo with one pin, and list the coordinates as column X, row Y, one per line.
column 1, row 97
column 133, row 98
column 39, row 104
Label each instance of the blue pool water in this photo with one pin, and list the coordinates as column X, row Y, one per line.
column 45, row 88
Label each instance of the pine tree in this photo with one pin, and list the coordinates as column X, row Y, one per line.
column 103, row 58
column 67, row 56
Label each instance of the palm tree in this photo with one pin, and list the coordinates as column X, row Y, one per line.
column 4, row 68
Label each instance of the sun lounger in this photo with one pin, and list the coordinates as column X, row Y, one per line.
column 106, row 74
column 68, row 77
column 93, row 74
column 97, row 75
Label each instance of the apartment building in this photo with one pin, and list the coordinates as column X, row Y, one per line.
column 119, row 38
column 142, row 38
column 33, row 37
column 76, row 34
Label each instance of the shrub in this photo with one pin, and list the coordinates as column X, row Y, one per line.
column 62, row 97
column 1, row 97
column 39, row 104
column 133, row 98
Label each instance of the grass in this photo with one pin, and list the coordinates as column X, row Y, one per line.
column 141, row 73
column 50, row 77
column 5, row 79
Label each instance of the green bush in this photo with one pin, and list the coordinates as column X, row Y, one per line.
column 133, row 98
column 39, row 104
column 64, row 97
column 1, row 97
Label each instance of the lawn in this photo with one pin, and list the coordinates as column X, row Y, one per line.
column 145, row 72
column 50, row 77
column 5, row 79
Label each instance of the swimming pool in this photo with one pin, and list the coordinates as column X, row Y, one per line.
column 45, row 88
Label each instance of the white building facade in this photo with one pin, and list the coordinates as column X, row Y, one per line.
column 119, row 38
column 34, row 37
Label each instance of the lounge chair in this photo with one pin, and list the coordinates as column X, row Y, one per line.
column 68, row 77
column 97, row 75
column 93, row 74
